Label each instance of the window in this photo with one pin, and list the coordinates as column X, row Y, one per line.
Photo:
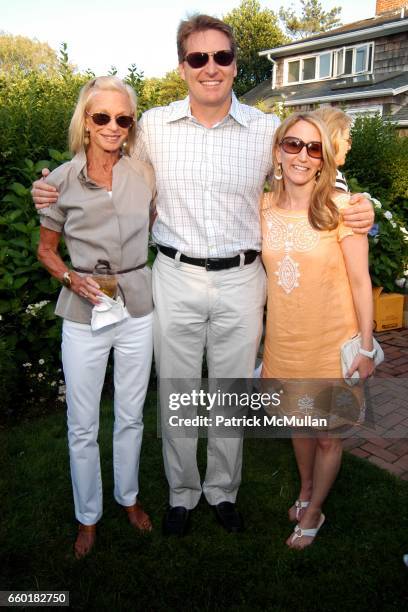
column 294, row 72
column 309, row 69
column 339, row 59
column 361, row 59
column 368, row 111
column 330, row 64
column 325, row 65
column 348, row 62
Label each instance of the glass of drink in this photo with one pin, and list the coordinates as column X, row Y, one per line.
column 107, row 280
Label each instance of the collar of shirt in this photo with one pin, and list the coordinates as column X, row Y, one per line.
column 79, row 161
column 181, row 110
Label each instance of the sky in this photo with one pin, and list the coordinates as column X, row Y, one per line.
column 102, row 33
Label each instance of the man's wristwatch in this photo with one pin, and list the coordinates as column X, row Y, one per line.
column 66, row 280
column 370, row 354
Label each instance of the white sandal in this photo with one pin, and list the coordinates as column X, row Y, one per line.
column 300, row 505
column 298, row 532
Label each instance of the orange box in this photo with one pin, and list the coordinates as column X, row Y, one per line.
column 388, row 310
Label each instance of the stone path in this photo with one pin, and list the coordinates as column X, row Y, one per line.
column 389, row 453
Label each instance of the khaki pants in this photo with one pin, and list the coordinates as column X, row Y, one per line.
column 220, row 313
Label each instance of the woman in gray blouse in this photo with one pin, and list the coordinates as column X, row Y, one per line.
column 103, row 214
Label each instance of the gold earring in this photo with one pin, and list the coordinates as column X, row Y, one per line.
column 279, row 176
column 125, row 147
column 86, row 137
column 317, row 175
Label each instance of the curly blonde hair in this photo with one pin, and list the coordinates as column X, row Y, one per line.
column 76, row 134
column 336, row 122
column 323, row 213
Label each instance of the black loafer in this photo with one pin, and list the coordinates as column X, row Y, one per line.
column 229, row 517
column 176, row 521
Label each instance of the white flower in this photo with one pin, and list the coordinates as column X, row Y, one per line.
column 394, row 225
column 1, row 318
column 377, row 203
column 32, row 309
column 40, row 375
column 400, row 282
column 53, row 383
column 403, row 230
column 27, row 365
column 388, row 215
column 41, row 361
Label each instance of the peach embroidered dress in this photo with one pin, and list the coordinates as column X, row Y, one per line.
column 310, row 310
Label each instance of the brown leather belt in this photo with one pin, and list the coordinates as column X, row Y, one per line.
column 124, row 271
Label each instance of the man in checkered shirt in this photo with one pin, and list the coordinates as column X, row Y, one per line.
column 211, row 155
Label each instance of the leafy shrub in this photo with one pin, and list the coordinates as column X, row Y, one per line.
column 388, row 240
column 29, row 330
column 35, row 111
column 378, row 164
column 378, row 160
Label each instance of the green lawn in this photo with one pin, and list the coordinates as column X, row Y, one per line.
column 355, row 563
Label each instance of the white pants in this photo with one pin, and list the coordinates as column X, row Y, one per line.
column 84, row 356
column 220, row 313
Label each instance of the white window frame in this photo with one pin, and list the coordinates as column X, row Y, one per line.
column 334, row 63
column 369, row 111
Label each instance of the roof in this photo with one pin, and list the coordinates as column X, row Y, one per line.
column 380, row 25
column 341, row 89
column 389, row 17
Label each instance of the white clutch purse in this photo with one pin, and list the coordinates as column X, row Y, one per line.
column 349, row 351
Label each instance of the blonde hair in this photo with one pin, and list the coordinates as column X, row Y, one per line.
column 336, row 122
column 323, row 213
column 77, row 126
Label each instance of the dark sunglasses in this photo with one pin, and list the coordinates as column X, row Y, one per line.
column 200, row 59
column 123, row 121
column 294, row 145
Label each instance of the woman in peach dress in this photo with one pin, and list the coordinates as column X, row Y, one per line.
column 319, row 296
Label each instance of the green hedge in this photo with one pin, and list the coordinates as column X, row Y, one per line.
column 29, row 330
column 378, row 160
column 35, row 111
column 378, row 164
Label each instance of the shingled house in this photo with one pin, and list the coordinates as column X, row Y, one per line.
column 361, row 66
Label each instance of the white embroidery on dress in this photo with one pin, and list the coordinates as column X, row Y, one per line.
column 288, row 274
column 306, row 404
column 298, row 236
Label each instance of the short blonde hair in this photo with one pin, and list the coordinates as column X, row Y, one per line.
column 336, row 122
column 323, row 214
column 77, row 125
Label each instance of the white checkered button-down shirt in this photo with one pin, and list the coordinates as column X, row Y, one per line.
column 209, row 180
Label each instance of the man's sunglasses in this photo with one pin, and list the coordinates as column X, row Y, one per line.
column 294, row 145
column 199, row 60
column 123, row 121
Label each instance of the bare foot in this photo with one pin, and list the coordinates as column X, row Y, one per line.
column 85, row 540
column 306, row 530
column 138, row 517
column 296, row 512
